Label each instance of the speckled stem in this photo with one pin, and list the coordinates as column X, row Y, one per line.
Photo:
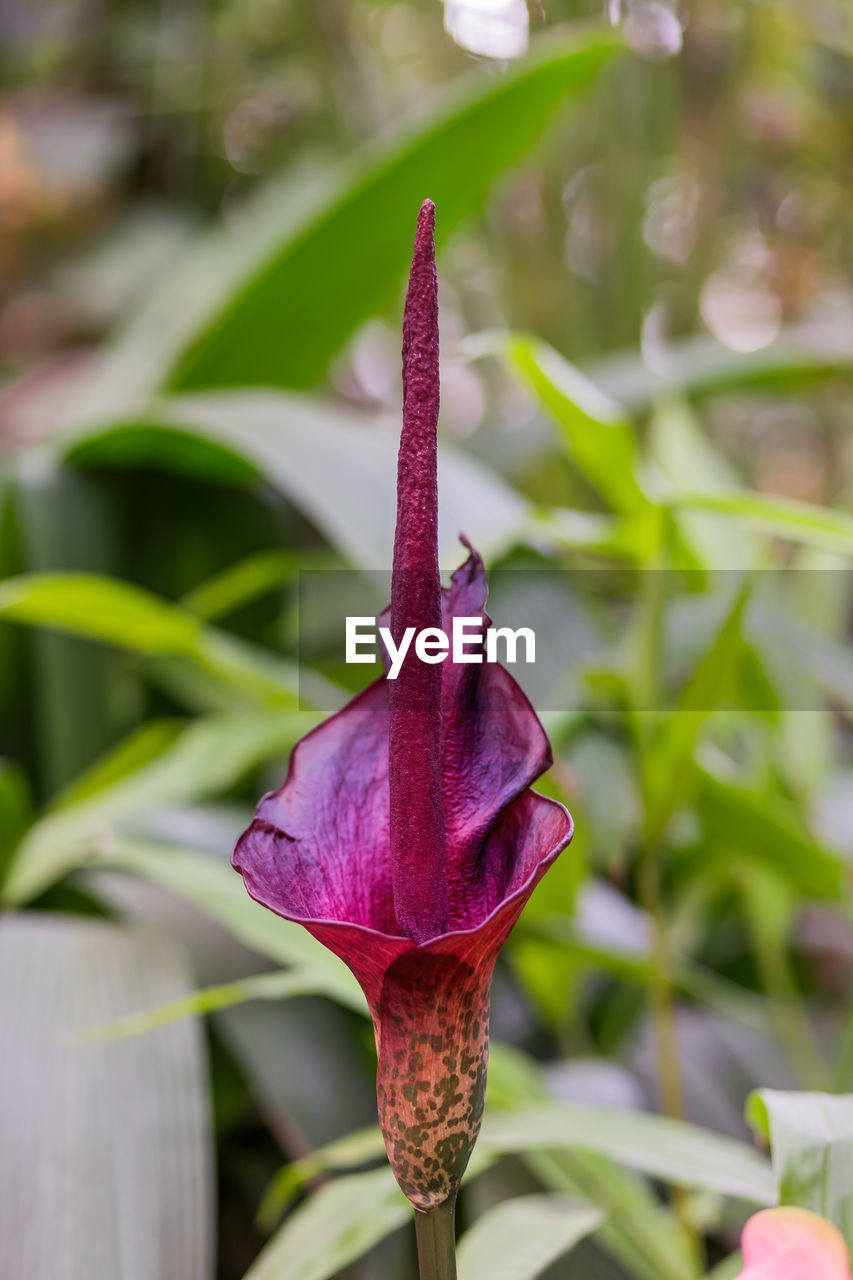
column 437, row 1241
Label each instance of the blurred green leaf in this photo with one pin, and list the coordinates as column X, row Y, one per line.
column 329, row 270
column 218, row 891
column 638, row 1231
column 811, row 1144
column 769, row 827
column 690, row 979
column 597, row 434
column 280, row 985
column 771, row 908
column 335, row 465
column 104, row 608
column 131, row 755
column 687, row 460
column 15, row 808
column 203, row 760
column 700, row 366
column 365, row 1146
column 668, row 1149
column 667, row 762
column 256, row 576
column 335, row 1227
column 120, row 613
column 518, row 1239
column 800, row 522
column 632, row 538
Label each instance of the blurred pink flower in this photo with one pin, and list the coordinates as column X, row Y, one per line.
column 792, row 1244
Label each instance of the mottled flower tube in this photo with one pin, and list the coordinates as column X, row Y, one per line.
column 406, row 837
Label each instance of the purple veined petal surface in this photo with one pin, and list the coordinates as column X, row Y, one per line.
column 319, row 847
column 318, row 852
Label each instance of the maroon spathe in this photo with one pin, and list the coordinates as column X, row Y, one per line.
column 406, row 837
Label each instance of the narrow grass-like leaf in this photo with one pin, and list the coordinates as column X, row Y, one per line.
column 701, row 366
column 242, row 583
column 667, row 765
column 672, row 1150
column 800, row 522
column 103, row 608
column 638, row 1231
column 596, row 432
column 280, row 985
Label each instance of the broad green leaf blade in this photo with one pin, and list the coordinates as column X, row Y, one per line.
column 106, row 1167
column 335, row 1227
column 672, row 1150
column 518, row 1239
column 300, row 301
column 203, row 760
column 217, row 890
column 334, row 464
column 811, row 1144
column 597, row 434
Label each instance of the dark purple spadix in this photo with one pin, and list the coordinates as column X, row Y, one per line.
column 418, row 848
column 406, row 836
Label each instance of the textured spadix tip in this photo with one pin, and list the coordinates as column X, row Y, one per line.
column 426, row 219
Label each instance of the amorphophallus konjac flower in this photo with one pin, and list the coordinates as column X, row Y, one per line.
column 792, row 1244
column 406, row 837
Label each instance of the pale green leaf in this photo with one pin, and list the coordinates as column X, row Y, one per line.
column 672, row 1150
column 811, row 1144
column 335, row 1227
column 518, row 1239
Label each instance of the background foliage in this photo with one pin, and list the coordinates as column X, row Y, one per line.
column 206, row 211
